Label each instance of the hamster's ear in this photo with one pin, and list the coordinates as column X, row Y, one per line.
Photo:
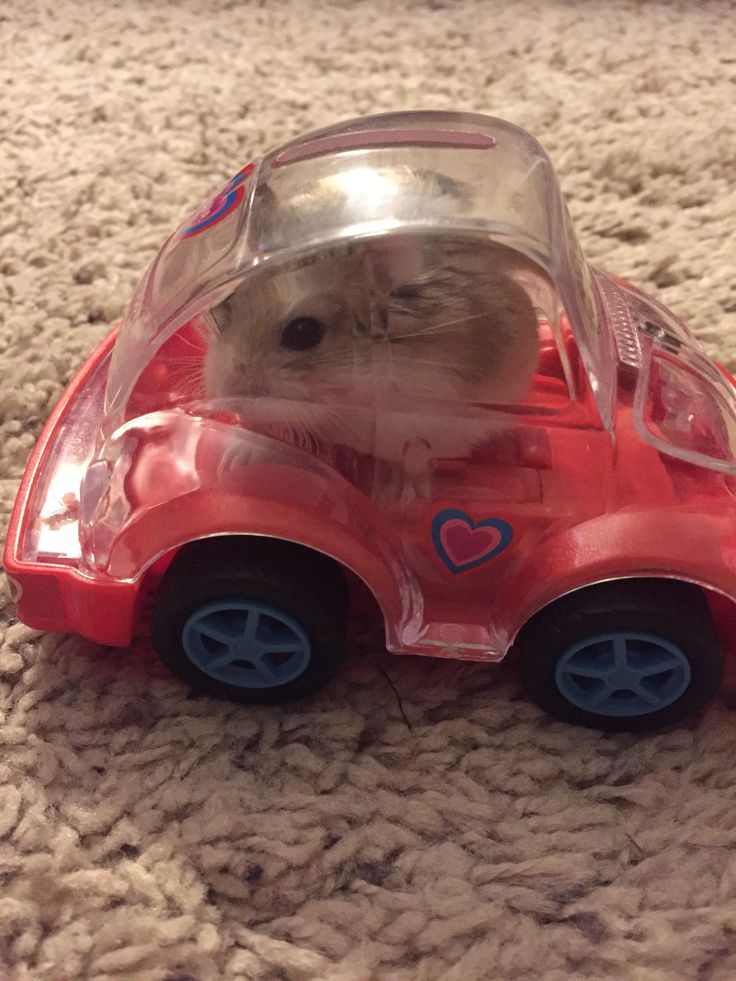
column 222, row 314
column 395, row 260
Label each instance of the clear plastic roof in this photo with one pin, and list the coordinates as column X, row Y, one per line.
column 410, row 173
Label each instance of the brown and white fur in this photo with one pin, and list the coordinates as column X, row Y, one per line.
column 414, row 333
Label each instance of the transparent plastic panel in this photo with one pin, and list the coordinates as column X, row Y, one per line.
column 684, row 405
column 52, row 533
column 173, row 476
column 182, row 280
column 686, row 408
column 378, row 342
column 648, row 314
column 378, row 347
column 435, row 171
column 449, row 174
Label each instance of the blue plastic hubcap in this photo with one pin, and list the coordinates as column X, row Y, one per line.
column 246, row 644
column 621, row 674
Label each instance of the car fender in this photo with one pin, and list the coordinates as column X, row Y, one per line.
column 631, row 543
column 182, row 479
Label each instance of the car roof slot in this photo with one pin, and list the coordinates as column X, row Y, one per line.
column 383, row 139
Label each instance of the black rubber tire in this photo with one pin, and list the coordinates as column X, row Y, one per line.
column 308, row 586
column 673, row 610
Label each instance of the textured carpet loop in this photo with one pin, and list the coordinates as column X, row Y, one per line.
column 417, row 821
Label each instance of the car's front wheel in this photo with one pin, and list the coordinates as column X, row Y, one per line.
column 251, row 620
column 626, row 655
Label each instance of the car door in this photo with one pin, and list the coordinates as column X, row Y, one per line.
column 543, row 468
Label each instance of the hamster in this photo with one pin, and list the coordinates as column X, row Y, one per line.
column 379, row 344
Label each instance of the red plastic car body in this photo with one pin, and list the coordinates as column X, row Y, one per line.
column 617, row 467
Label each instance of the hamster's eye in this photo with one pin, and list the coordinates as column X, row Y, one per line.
column 302, row 333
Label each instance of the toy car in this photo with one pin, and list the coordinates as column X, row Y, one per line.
column 589, row 525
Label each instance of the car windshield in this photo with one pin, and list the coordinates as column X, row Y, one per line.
column 386, row 208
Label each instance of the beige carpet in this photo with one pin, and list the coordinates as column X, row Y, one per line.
column 148, row 835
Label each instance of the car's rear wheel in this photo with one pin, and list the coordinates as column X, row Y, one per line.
column 626, row 655
column 251, row 620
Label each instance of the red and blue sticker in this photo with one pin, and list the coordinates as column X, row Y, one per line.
column 464, row 544
column 220, row 206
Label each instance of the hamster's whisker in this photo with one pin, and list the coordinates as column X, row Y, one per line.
column 436, row 328
column 185, row 373
column 434, row 363
column 204, row 332
column 425, row 332
column 307, row 371
column 189, row 361
column 188, row 377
